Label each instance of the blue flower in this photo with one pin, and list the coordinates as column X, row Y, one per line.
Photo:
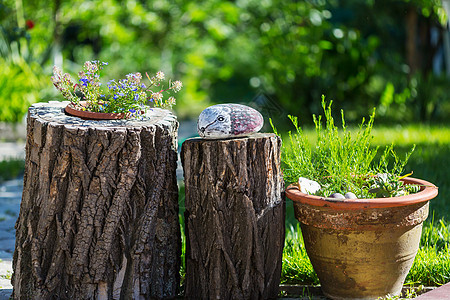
column 132, row 111
column 84, row 81
column 136, row 97
column 115, row 96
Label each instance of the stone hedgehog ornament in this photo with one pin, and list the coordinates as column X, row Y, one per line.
column 228, row 120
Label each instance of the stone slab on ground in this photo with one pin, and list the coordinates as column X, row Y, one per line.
column 10, row 197
column 13, row 132
column 12, row 150
column 440, row 293
column 5, row 294
column 5, row 283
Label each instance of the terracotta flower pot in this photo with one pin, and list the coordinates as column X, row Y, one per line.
column 89, row 115
column 362, row 248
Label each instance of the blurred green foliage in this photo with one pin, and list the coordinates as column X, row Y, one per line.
column 288, row 52
column 11, row 168
column 21, row 78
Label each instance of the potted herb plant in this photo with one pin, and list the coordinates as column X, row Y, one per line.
column 123, row 98
column 361, row 220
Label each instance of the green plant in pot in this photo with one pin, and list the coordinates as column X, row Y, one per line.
column 361, row 219
column 124, row 98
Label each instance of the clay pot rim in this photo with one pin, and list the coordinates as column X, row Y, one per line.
column 90, row 115
column 427, row 192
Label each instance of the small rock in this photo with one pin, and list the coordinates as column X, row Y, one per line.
column 308, row 186
column 350, row 195
column 228, row 120
column 337, row 196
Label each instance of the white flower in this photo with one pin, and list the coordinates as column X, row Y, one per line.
column 88, row 65
column 159, row 75
column 57, row 71
column 169, row 103
column 134, row 77
column 176, row 86
column 157, row 96
column 138, row 75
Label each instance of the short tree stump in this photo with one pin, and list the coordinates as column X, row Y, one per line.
column 99, row 212
column 235, row 212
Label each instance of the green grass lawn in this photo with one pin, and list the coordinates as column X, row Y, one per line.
column 430, row 161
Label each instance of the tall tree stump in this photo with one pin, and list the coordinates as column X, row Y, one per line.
column 99, row 212
column 234, row 217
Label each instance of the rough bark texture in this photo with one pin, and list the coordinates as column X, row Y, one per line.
column 234, row 217
column 99, row 212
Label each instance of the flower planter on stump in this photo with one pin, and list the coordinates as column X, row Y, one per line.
column 362, row 248
column 75, row 111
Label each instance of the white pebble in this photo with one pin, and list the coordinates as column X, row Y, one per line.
column 308, row 186
column 350, row 195
column 337, row 196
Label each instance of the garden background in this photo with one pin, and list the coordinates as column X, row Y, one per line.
column 277, row 56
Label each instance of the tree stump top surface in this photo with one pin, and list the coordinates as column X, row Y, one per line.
column 53, row 112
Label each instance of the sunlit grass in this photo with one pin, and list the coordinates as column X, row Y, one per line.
column 411, row 134
column 297, row 267
column 432, row 264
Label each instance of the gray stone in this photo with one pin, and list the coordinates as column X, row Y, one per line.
column 308, row 186
column 5, row 290
column 350, row 195
column 8, row 245
column 7, row 225
column 228, row 120
column 6, row 255
column 6, row 235
column 337, row 196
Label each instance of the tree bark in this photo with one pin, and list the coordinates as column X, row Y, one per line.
column 99, row 211
column 234, row 217
column 411, row 41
